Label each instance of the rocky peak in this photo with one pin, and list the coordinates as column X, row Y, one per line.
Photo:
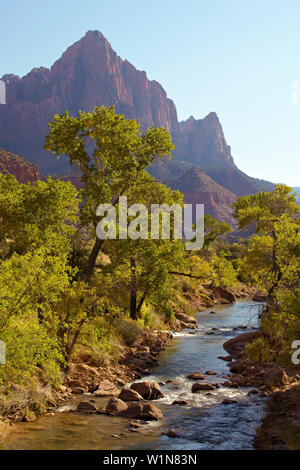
column 90, row 73
column 202, row 142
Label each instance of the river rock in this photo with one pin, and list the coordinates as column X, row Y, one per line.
column 179, row 402
column 235, row 345
column 185, row 318
column 229, row 384
column 133, row 411
column 211, row 372
column 148, row 390
column 228, row 401
column 197, row 387
column 146, row 412
column 151, row 412
column 106, row 389
column 86, row 406
column 195, row 376
column 220, row 294
column 225, row 358
column 115, row 406
column 236, row 367
column 127, row 394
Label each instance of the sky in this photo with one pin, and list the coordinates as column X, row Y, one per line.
column 239, row 58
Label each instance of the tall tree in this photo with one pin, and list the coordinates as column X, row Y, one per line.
column 264, row 212
column 111, row 154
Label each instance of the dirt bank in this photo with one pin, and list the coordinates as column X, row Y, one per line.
column 280, row 428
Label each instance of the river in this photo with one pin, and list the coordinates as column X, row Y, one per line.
column 204, row 423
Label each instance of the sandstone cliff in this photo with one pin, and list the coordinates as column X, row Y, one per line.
column 24, row 171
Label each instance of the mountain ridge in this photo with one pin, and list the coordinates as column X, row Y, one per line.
column 89, row 73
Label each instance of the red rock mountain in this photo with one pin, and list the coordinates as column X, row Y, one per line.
column 90, row 73
column 24, row 171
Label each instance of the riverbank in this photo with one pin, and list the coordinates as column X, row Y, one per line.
column 280, row 428
column 202, row 419
column 82, row 376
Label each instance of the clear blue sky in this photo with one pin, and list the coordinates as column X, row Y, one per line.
column 236, row 57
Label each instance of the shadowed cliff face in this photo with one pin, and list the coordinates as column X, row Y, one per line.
column 24, row 171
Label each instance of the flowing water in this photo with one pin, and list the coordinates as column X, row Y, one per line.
column 203, row 423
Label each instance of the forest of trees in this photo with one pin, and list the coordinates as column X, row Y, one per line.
column 63, row 290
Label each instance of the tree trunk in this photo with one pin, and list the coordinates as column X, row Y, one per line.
column 92, row 259
column 276, row 270
column 133, row 290
column 140, row 304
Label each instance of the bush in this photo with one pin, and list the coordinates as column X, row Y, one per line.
column 128, row 330
column 29, row 352
column 259, row 350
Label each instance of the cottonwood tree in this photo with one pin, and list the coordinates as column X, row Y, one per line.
column 145, row 265
column 270, row 214
column 111, row 154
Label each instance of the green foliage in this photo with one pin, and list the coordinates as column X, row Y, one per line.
column 258, row 350
column 30, row 351
column 224, row 272
column 110, row 152
column 214, row 229
column 32, row 214
column 128, row 330
column 264, row 209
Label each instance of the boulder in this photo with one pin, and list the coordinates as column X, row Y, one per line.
column 127, row 394
column 195, row 376
column 185, row 318
column 197, row 387
column 225, row 358
column 133, row 411
column 86, row 406
column 211, row 372
column 179, row 402
column 151, row 412
column 221, row 293
column 229, row 384
column 115, row 406
column 237, row 344
column 148, row 390
column 228, row 401
column 236, row 367
column 106, row 389
column 146, row 412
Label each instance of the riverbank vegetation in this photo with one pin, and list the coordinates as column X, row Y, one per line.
column 67, row 296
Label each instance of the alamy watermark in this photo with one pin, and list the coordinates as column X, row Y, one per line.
column 2, row 353
column 296, row 353
column 163, row 222
column 2, row 92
